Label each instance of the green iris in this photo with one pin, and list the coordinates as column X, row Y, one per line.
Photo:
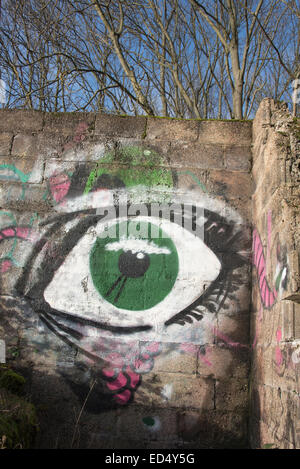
column 134, row 272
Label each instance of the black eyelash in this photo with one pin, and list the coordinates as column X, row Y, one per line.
column 226, row 248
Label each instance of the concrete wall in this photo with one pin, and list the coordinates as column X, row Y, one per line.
column 150, row 335
column 275, row 392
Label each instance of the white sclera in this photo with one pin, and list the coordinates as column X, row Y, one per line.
column 72, row 290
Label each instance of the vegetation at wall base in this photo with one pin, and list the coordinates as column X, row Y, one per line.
column 18, row 421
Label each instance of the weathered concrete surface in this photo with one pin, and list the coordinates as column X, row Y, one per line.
column 183, row 380
column 276, row 314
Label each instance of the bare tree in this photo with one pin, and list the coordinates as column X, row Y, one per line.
column 178, row 58
column 286, row 47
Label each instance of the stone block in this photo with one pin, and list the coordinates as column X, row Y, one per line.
column 225, row 132
column 213, row 429
column 50, row 144
column 34, row 197
column 223, row 362
column 190, row 179
column 262, row 365
column 229, row 184
column 188, row 391
column 238, row 158
column 282, row 416
column 235, row 329
column 21, row 120
column 232, row 395
column 95, row 428
column 262, row 117
column 86, row 151
column 25, row 146
column 173, row 359
column 171, row 129
column 73, row 124
column 268, row 177
column 120, row 126
column 23, row 171
column 147, row 423
column 186, row 155
column 5, row 143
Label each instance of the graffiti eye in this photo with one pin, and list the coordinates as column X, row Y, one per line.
column 120, row 274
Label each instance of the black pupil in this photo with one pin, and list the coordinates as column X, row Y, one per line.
column 133, row 264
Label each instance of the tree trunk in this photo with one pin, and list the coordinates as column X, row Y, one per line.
column 237, row 97
column 238, row 101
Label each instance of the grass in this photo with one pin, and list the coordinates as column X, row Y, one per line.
column 18, row 421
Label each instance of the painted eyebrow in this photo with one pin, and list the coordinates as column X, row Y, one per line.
column 137, row 245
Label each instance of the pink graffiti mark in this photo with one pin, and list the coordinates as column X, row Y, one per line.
column 59, row 186
column 227, row 340
column 278, row 354
column 268, row 295
column 79, row 136
column 193, row 350
column 5, row 265
column 123, row 372
column 20, row 232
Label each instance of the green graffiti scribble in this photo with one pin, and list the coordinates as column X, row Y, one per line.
column 10, row 215
column 19, row 174
column 190, row 173
column 142, row 169
column 46, row 194
column 35, row 216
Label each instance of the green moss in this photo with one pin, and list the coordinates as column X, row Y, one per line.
column 63, row 113
column 185, row 118
column 201, row 119
column 18, row 422
column 11, row 381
